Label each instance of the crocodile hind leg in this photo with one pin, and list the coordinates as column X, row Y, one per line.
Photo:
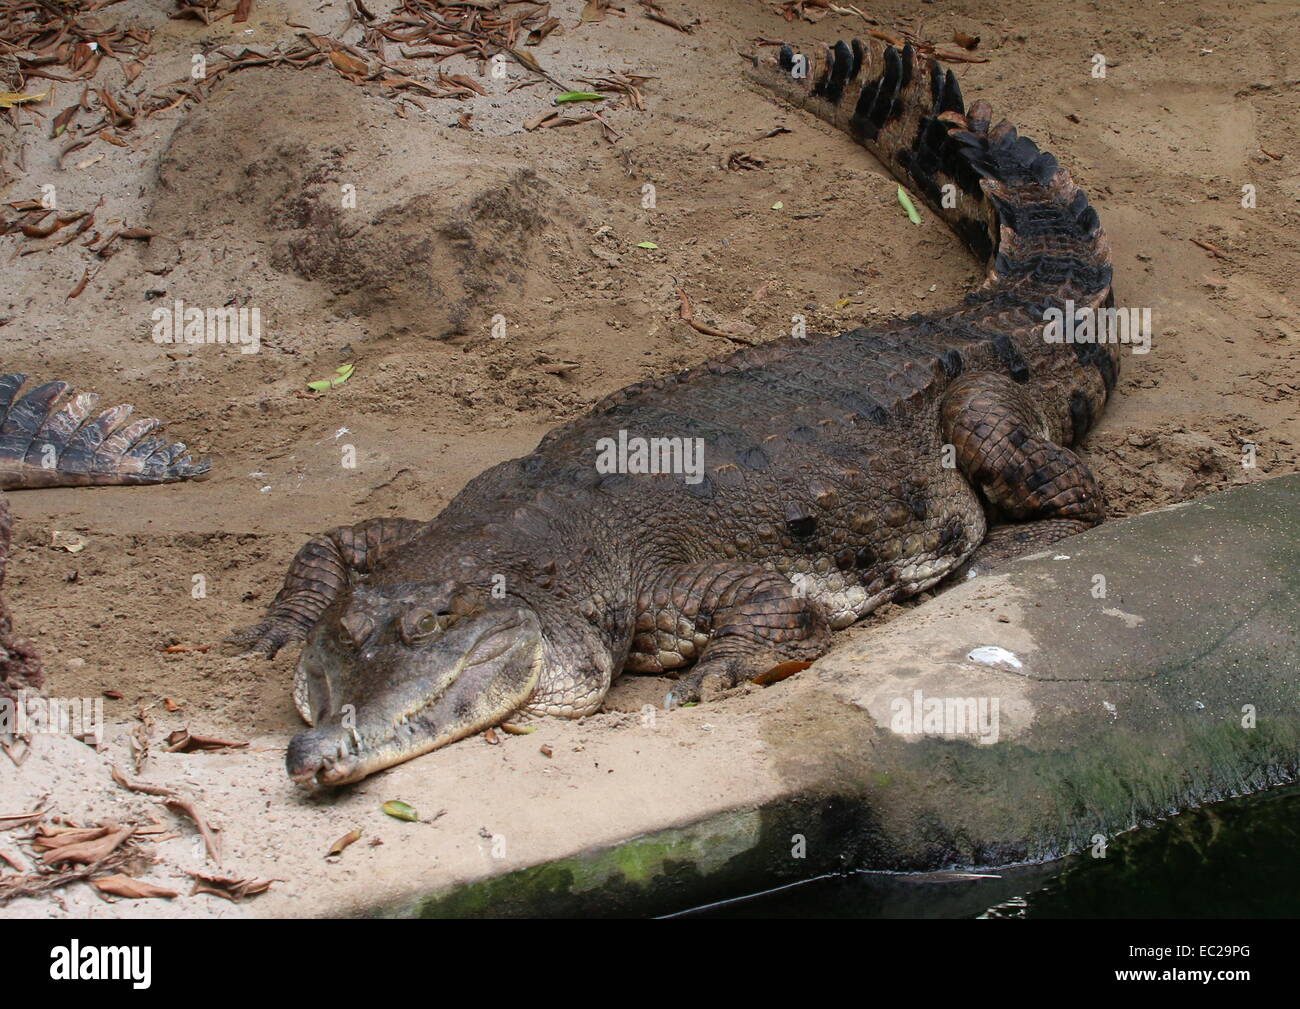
column 45, row 443
column 317, row 573
column 1007, row 542
column 1005, row 446
column 736, row 620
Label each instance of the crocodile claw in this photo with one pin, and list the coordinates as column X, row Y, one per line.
column 265, row 638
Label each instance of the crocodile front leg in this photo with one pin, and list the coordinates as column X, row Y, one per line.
column 1005, row 446
column 736, row 621
column 317, row 573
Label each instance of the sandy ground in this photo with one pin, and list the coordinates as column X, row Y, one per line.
column 453, row 227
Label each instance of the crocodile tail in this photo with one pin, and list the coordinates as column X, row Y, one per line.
column 1013, row 205
column 46, row 443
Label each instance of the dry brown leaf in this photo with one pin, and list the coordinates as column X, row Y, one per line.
column 347, row 64
column 780, row 671
column 538, row 34
column 52, row 836
column 464, row 82
column 351, row 837
column 176, row 800
column 229, row 887
column 81, row 285
column 120, row 885
column 90, row 850
column 10, row 820
column 183, row 741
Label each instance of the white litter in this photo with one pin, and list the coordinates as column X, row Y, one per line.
column 992, row 655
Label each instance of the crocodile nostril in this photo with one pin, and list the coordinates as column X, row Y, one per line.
column 357, row 626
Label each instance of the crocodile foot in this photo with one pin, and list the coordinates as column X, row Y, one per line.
column 265, row 638
column 1007, row 542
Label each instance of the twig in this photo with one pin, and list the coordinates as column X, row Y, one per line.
column 688, row 316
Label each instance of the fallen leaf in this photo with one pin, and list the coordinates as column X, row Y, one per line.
column 62, row 120
column 578, row 96
column 232, row 889
column 8, row 99
column 120, row 885
column 347, row 64
column 906, row 202
column 341, row 374
column 780, row 671
column 172, row 799
column 537, row 34
column 399, row 810
column 183, row 741
column 89, row 850
column 11, row 820
column 351, row 837
column 646, row 245
column 81, row 286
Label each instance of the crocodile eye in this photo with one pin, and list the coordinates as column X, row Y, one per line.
column 418, row 625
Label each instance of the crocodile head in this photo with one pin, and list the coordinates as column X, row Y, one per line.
column 390, row 673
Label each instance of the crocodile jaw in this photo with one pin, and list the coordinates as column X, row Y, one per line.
column 491, row 680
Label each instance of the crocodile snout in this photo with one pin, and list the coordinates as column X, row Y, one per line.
column 320, row 757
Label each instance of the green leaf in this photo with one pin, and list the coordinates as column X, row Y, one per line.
column 341, row 374
column 344, row 373
column 8, row 99
column 578, row 96
column 399, row 810
column 778, row 205
column 646, row 245
column 906, row 201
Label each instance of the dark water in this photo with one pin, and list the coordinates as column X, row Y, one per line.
column 1239, row 858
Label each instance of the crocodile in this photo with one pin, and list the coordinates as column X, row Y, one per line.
column 816, row 479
